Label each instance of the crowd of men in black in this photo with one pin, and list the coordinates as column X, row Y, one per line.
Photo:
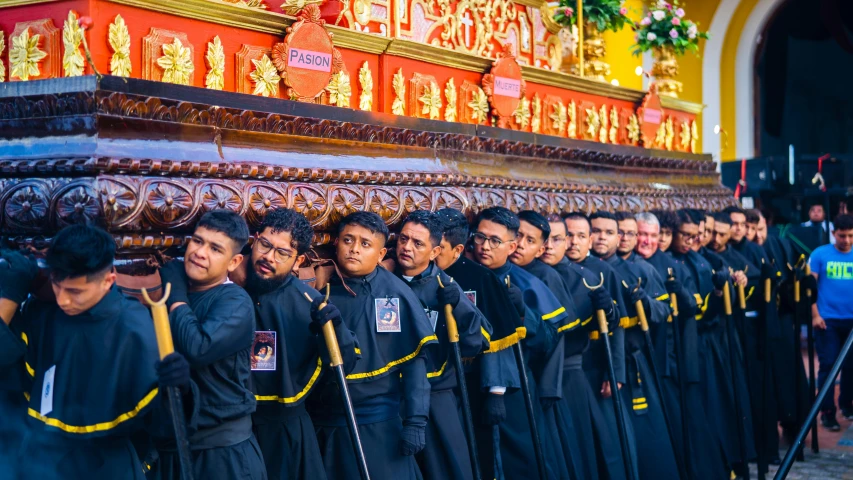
column 697, row 396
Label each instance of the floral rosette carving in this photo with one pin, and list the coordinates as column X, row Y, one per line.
column 26, row 207
column 78, row 203
column 263, row 199
column 167, row 204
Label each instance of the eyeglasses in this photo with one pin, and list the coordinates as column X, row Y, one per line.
column 628, row 234
column 480, row 239
column 281, row 255
column 555, row 240
column 688, row 237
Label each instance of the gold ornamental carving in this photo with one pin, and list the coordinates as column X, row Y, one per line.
column 602, row 119
column 479, row 105
column 665, row 69
column 398, row 106
column 259, row 4
column 670, row 134
column 25, row 56
column 559, row 118
column 614, row 125
column 292, row 7
column 119, row 40
column 450, row 112
column 177, row 63
column 430, row 101
column 660, row 136
column 339, row 89
column 536, row 120
column 472, row 25
column 365, row 81
column 72, row 37
column 594, row 51
column 684, row 135
column 215, row 58
column 694, row 136
column 167, row 54
column 522, row 114
column 592, row 123
column 572, row 111
column 265, row 77
column 633, row 128
column 2, row 48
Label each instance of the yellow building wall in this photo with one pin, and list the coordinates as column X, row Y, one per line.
column 622, row 63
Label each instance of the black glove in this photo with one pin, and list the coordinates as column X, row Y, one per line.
column 640, row 294
column 517, row 299
column 17, row 273
column 449, row 295
column 768, row 271
column 320, row 317
column 174, row 273
column 495, row 409
column 413, row 439
column 672, row 285
column 601, row 300
column 174, row 371
column 720, row 278
column 547, row 402
column 800, row 274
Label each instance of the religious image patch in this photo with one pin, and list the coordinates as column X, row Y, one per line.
column 263, row 351
column 387, row 315
column 472, row 295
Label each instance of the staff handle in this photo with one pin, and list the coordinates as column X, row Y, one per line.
column 727, row 299
column 329, row 334
column 452, row 328
column 162, row 328
column 641, row 316
column 808, row 270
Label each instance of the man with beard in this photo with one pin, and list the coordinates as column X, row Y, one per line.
column 681, row 372
column 595, row 361
column 213, row 325
column 494, row 374
column 390, row 380
column 761, row 339
column 290, row 327
column 84, row 364
column 446, row 454
column 656, row 454
column 495, row 239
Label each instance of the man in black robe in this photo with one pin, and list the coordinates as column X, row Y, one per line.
column 446, row 454
column 213, row 325
column 389, row 386
column 493, row 374
column 702, row 456
column 288, row 332
column 86, row 362
column 655, row 453
column 495, row 238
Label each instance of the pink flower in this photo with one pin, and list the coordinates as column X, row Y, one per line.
column 569, row 12
column 669, row 7
column 85, row 22
column 623, row 11
column 676, row 21
column 673, row 33
column 651, row 37
column 646, row 21
column 679, row 12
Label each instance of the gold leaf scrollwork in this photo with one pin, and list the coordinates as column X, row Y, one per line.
column 670, row 134
column 536, row 121
column 592, row 123
column 602, row 118
column 572, row 130
column 339, row 90
column 215, row 56
column 119, row 40
column 614, row 125
column 292, row 7
column 479, row 105
column 522, row 114
column 177, row 63
column 431, row 100
column 684, row 135
column 365, row 79
column 660, row 135
column 72, row 37
column 398, row 107
column 694, row 136
column 259, row 4
column 450, row 95
column 25, row 56
column 2, row 47
column 265, row 76
column 559, row 118
column 633, row 128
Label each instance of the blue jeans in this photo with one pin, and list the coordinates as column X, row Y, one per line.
column 828, row 344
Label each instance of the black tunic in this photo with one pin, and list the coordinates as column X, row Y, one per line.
column 104, row 388
column 215, row 332
column 389, row 379
column 283, row 428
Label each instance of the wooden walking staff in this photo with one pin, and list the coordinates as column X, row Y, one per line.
column 163, row 330
column 644, row 326
column 732, row 343
column 453, row 337
column 337, row 364
column 682, row 374
column 601, row 316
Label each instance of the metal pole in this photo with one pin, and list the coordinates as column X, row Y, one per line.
column 812, row 376
column 496, row 445
column 682, row 376
column 730, row 333
column 531, row 417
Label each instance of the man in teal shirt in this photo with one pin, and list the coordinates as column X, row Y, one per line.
column 832, row 315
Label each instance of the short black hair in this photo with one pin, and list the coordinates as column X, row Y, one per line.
column 537, row 220
column 753, row 216
column 368, row 220
column 622, row 216
column 723, row 217
column 228, row 222
column 501, row 216
column 292, row 222
column 432, row 222
column 455, row 226
column 697, row 215
column 554, row 218
column 577, row 216
column 843, row 222
column 603, row 214
column 80, row 250
column 667, row 219
column 734, row 209
column 685, row 218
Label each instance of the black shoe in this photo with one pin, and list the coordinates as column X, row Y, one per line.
column 847, row 413
column 829, row 422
